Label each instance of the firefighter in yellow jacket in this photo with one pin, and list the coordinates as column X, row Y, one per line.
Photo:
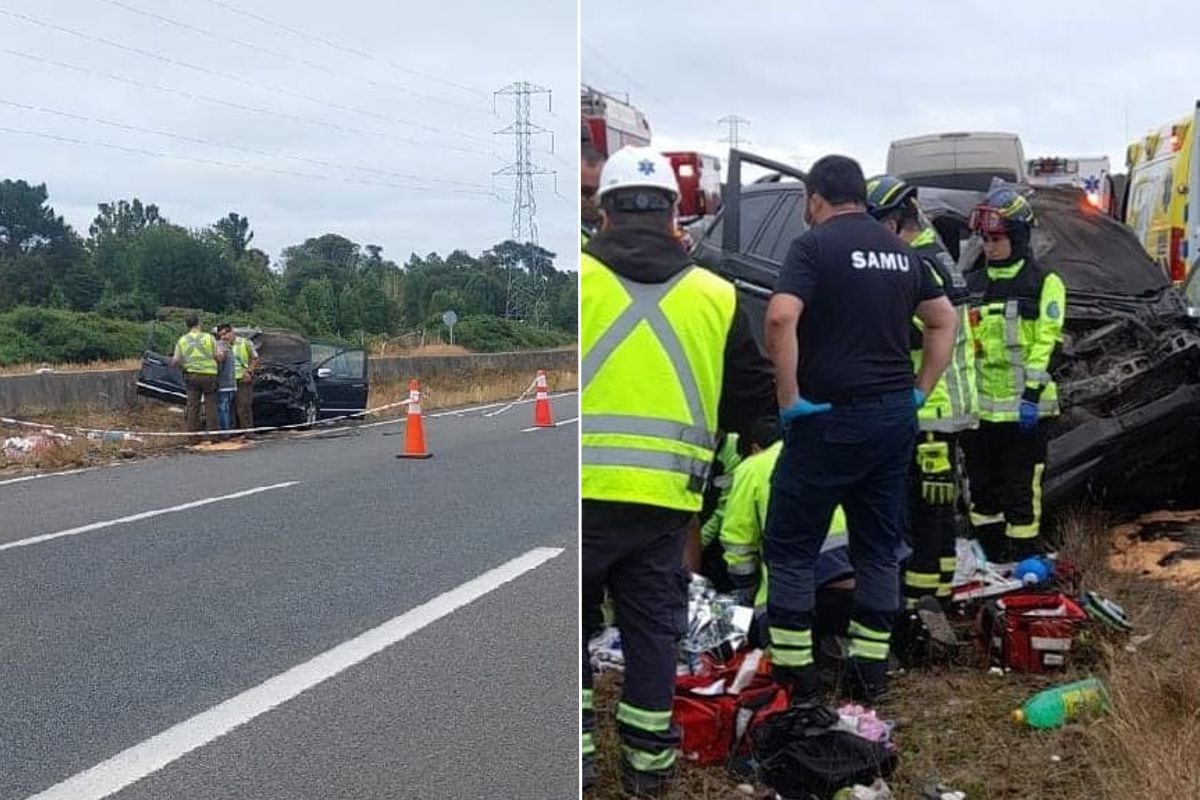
column 950, row 409
column 668, row 359
column 1017, row 328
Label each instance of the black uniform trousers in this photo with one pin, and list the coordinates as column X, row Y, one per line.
column 637, row 552
column 933, row 530
column 1004, row 467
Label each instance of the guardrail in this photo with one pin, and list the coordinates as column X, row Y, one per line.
column 113, row 389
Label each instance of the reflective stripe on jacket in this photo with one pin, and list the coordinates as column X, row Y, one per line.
column 652, row 363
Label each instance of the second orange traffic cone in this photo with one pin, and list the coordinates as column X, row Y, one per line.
column 542, row 418
column 414, row 429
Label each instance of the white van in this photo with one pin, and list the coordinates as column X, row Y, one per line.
column 964, row 160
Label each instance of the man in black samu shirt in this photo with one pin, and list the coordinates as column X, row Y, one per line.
column 837, row 330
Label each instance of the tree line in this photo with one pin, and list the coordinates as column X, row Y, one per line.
column 136, row 265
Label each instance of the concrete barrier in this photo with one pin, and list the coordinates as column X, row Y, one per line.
column 114, row 389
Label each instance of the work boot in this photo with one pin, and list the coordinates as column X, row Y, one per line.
column 933, row 618
column 1021, row 549
column 803, row 685
column 866, row 681
column 645, row 784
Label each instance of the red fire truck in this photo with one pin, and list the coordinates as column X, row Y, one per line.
column 699, row 177
column 612, row 123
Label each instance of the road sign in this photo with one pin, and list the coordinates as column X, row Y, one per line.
column 448, row 319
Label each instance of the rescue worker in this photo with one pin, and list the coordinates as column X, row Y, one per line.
column 1017, row 329
column 196, row 353
column 729, row 456
column 741, row 535
column 591, row 161
column 668, row 358
column 847, row 292
column 949, row 410
column 245, row 367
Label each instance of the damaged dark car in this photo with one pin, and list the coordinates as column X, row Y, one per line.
column 298, row 382
column 1129, row 368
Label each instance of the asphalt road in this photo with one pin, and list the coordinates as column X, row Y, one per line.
column 351, row 626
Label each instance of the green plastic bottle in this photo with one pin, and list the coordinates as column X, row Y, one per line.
column 1052, row 707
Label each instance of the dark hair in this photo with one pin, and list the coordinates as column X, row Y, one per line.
column 590, row 154
column 192, row 320
column 839, row 180
column 906, row 214
column 224, row 326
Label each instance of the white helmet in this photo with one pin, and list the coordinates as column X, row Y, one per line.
column 638, row 167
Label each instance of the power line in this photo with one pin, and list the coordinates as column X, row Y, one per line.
column 524, row 299
column 208, row 162
column 240, row 106
column 231, row 76
column 256, row 48
column 523, row 169
column 343, row 48
column 232, row 146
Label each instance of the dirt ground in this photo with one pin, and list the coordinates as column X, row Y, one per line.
column 953, row 723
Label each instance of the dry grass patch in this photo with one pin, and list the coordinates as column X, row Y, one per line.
column 954, row 725
column 148, row 415
column 82, row 366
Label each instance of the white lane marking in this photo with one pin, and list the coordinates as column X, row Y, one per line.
column 95, row 526
column 46, row 475
column 130, row 766
column 558, row 424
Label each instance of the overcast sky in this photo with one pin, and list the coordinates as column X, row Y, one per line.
column 1071, row 78
column 391, row 117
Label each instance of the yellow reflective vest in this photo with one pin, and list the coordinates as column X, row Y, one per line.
column 746, row 517
column 952, row 405
column 242, row 356
column 1017, row 328
column 197, row 352
column 652, row 360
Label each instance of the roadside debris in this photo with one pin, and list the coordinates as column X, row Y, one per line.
column 879, row 790
column 1054, row 707
column 17, row 448
column 1164, row 545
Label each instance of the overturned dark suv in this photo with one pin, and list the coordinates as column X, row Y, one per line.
column 1129, row 368
column 298, row 382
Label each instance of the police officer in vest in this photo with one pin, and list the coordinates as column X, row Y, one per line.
column 668, row 359
column 1017, row 328
column 197, row 354
column 837, row 329
column 949, row 410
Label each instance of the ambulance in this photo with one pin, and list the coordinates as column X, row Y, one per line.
column 1092, row 176
column 1163, row 166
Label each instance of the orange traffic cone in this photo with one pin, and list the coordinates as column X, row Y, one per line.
column 414, row 430
column 541, row 407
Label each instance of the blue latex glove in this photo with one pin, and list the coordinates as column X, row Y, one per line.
column 802, row 408
column 1027, row 416
column 918, row 397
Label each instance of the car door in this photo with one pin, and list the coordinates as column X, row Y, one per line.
column 158, row 380
column 341, row 376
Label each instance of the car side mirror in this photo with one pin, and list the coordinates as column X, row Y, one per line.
column 324, row 372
